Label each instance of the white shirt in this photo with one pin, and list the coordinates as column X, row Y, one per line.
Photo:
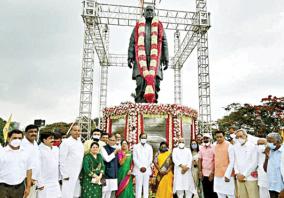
column 71, row 155
column 33, row 152
column 246, row 158
column 262, row 175
column 282, row 165
column 142, row 157
column 49, row 172
column 14, row 165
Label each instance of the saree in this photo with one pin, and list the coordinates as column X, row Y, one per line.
column 125, row 181
column 165, row 187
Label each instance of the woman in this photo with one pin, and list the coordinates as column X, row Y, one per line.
column 195, row 171
column 92, row 172
column 125, row 179
column 165, row 174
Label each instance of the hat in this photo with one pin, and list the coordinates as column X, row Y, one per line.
column 207, row 135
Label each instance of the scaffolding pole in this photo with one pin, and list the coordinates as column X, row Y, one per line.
column 177, row 72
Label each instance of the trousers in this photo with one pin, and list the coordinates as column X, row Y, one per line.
column 142, row 182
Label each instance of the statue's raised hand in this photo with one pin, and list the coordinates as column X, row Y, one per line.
column 130, row 62
column 165, row 64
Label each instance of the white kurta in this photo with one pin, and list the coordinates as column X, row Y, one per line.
column 183, row 181
column 70, row 161
column 49, row 172
column 262, row 176
column 142, row 157
column 220, row 186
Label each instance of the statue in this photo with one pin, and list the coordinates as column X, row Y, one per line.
column 147, row 53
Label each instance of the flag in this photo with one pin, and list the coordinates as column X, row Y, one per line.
column 6, row 128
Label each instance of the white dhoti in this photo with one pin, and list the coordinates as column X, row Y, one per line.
column 70, row 188
column 222, row 187
column 50, row 190
column 111, row 185
column 142, row 181
column 263, row 192
column 33, row 192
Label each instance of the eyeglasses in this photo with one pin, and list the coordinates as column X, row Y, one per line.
column 111, row 140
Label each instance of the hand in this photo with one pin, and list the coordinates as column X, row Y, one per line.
column 266, row 152
column 33, row 182
column 166, row 65
column 227, row 179
column 211, row 177
column 143, row 169
column 26, row 192
column 184, row 169
column 130, row 62
column 241, row 178
column 129, row 172
column 116, row 151
column 200, row 175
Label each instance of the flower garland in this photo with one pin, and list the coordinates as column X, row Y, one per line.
column 148, row 71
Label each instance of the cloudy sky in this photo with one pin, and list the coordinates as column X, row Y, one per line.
column 41, row 51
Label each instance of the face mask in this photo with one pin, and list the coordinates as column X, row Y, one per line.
column 206, row 141
column 207, row 144
column 233, row 135
column 241, row 141
column 143, row 141
column 181, row 145
column 271, row 146
column 16, row 143
column 96, row 137
column 261, row 148
column 194, row 146
column 164, row 149
column 114, row 146
column 56, row 143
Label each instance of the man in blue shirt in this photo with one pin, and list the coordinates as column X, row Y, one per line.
column 272, row 164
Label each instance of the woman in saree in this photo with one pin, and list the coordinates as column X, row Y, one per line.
column 92, row 172
column 165, row 172
column 125, row 179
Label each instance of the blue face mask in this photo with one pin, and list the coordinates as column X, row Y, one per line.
column 194, row 146
column 271, row 146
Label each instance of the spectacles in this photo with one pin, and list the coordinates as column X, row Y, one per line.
column 111, row 140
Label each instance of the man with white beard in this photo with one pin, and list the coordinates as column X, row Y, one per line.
column 262, row 175
column 183, row 180
column 49, row 172
column 70, row 160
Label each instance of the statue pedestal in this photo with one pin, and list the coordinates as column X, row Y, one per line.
column 160, row 121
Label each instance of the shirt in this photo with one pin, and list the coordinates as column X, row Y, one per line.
column 206, row 154
column 14, row 165
column 246, row 158
column 142, row 157
column 34, row 154
column 275, row 180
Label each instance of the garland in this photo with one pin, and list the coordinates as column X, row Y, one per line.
column 148, row 71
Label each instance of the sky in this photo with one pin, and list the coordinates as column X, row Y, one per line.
column 41, row 54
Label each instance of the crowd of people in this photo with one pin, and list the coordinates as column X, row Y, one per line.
column 235, row 165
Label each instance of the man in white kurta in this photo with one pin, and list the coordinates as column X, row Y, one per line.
column 29, row 144
column 70, row 162
column 183, row 180
column 142, row 158
column 262, row 175
column 224, row 184
column 49, row 172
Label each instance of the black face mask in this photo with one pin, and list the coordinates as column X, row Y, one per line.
column 164, row 149
column 205, row 141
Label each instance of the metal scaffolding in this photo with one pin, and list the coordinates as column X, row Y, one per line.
column 99, row 16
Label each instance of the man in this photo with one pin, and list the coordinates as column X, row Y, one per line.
column 29, row 144
column 95, row 136
column 104, row 138
column 224, row 162
column 148, row 48
column 272, row 164
column 246, row 151
column 70, row 160
column 183, row 180
column 206, row 166
column 57, row 138
column 262, row 176
column 199, row 139
column 118, row 140
column 49, row 172
column 142, row 158
column 111, row 166
column 15, row 166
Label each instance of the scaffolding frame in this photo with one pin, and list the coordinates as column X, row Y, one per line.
column 97, row 18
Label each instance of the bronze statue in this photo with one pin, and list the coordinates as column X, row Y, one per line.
column 147, row 53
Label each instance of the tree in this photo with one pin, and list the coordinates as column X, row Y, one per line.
column 257, row 119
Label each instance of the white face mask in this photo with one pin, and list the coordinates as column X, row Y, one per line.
column 241, row 141
column 96, row 137
column 143, row 141
column 261, row 148
column 233, row 135
column 181, row 145
column 207, row 144
column 16, row 143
